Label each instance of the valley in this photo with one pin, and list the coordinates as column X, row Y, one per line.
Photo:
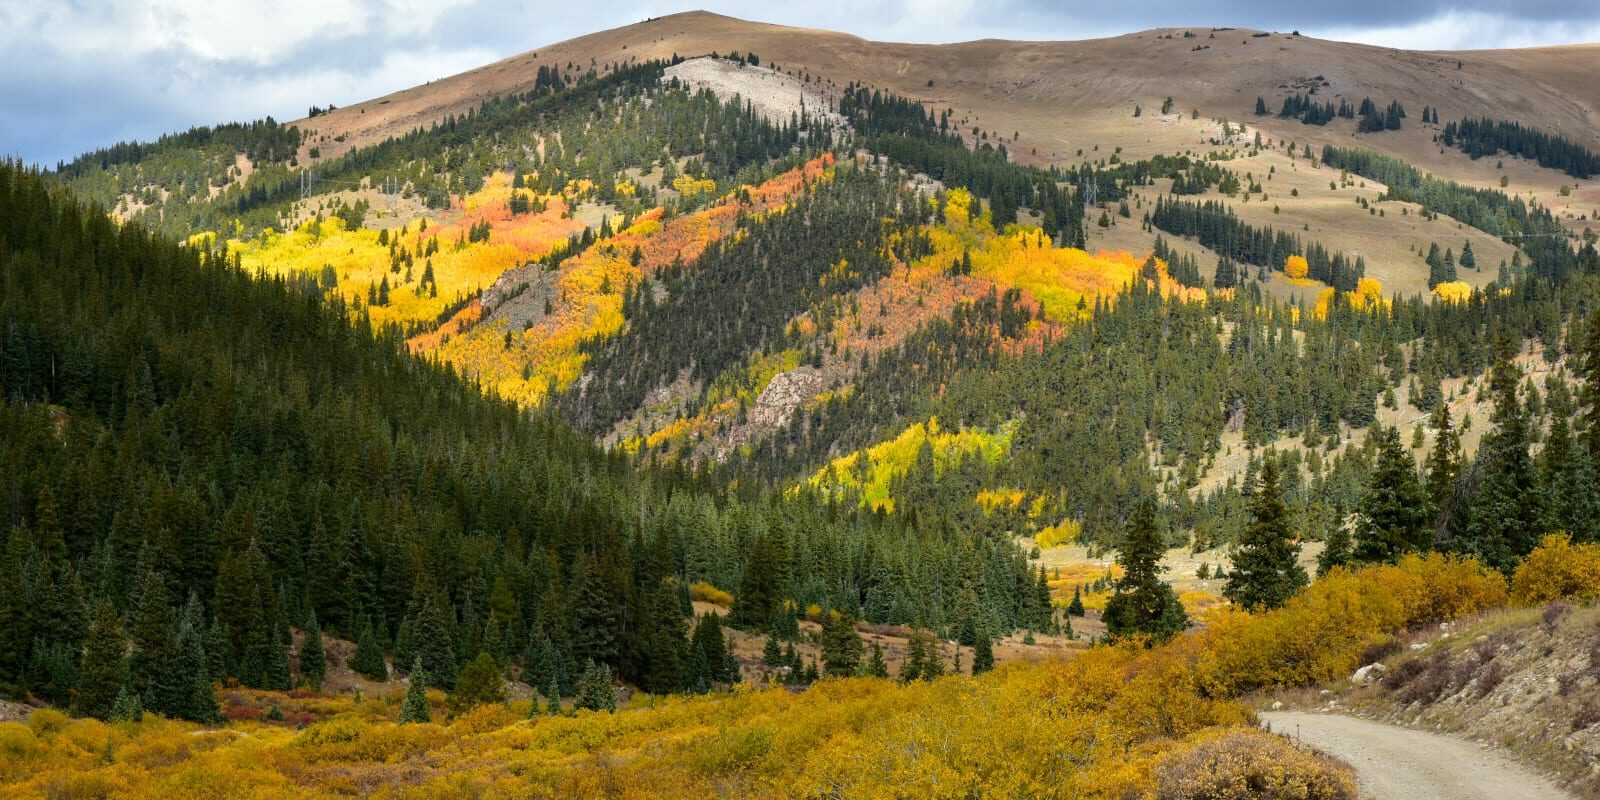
column 706, row 407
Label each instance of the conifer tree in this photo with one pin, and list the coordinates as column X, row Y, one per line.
column 1265, row 572
column 875, row 667
column 1337, row 549
column 1504, row 515
column 368, row 658
column 552, row 696
column 415, row 708
column 313, row 660
column 982, row 655
column 1443, row 467
column 771, row 653
column 911, row 667
column 1075, row 608
column 594, row 688
column 102, row 674
column 1394, row 510
column 1143, row 604
column 430, row 631
column 841, row 645
column 1588, row 369
column 480, row 683
column 126, row 708
column 708, row 660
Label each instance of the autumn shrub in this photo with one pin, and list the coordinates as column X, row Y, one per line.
column 1246, row 764
column 704, row 592
column 1558, row 570
column 1323, row 632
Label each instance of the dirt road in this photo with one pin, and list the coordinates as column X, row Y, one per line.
column 1394, row 763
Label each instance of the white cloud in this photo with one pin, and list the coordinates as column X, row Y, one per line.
column 1470, row 30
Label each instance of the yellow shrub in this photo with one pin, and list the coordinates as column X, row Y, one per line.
column 706, row 593
column 1320, row 633
column 1296, row 269
column 1064, row 532
column 1558, row 570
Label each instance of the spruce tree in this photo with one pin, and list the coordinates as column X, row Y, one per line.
column 430, row 631
column 771, row 653
column 1265, row 571
column 982, row 655
column 594, row 688
column 875, row 667
column 911, row 666
column 841, row 645
column 1588, row 369
column 480, row 683
column 1443, row 468
column 709, row 664
column 102, row 674
column 1504, row 517
column 1338, row 548
column 1143, row 604
column 1394, row 510
column 1075, row 608
column 313, row 660
column 368, row 658
column 415, row 708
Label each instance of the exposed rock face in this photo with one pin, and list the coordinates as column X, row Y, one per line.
column 787, row 391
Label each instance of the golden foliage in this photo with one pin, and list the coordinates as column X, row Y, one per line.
column 1320, row 633
column 1558, row 570
column 1296, row 269
column 706, row 593
column 1453, row 292
column 868, row 474
column 1113, row 722
column 588, row 289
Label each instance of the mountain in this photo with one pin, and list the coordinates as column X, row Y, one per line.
column 524, row 384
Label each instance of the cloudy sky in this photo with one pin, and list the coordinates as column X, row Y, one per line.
column 78, row 74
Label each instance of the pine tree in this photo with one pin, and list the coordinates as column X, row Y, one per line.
column 594, row 688
column 196, row 699
column 416, row 708
column 1265, row 571
column 1468, row 258
column 1143, row 604
column 1504, row 516
column 430, row 632
column 313, row 660
column 102, row 674
column 1337, row 549
column 916, row 657
column 708, row 659
column 1394, row 511
column 667, row 648
column 841, row 645
column 875, row 667
column 1443, row 468
column 480, row 683
column 933, row 661
column 771, row 653
column 126, row 708
column 152, row 627
column 1075, row 608
column 368, row 658
column 1588, row 369
column 982, row 655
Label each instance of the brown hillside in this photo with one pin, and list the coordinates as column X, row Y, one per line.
column 1061, row 96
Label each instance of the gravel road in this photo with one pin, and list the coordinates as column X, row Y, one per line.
column 1394, row 763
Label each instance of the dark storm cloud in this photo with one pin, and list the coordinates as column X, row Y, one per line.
column 82, row 74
